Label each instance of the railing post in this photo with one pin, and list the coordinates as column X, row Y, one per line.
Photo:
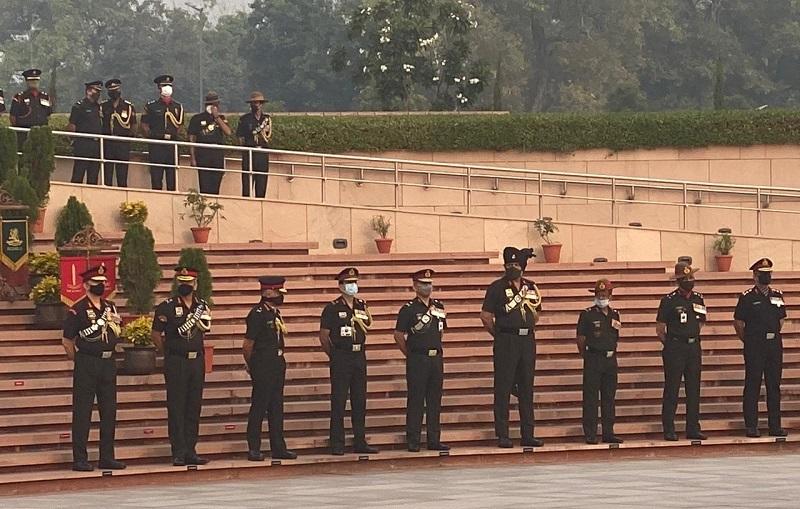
column 251, row 180
column 323, row 180
column 177, row 165
column 758, row 211
column 397, row 185
column 469, row 190
column 685, row 206
column 613, row 201
column 541, row 198
column 103, row 162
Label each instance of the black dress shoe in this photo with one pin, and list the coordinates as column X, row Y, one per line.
column 111, row 465
column 778, row 432
column 752, row 433
column 505, row 443
column 532, row 442
column 82, row 466
column 591, row 440
column 413, row 448
column 194, row 459
column 696, row 436
column 670, row 436
column 364, row 449
column 178, row 462
column 255, row 456
column 337, row 451
column 438, row 447
column 285, row 454
column 613, row 439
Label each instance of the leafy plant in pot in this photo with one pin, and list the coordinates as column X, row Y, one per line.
column 140, row 353
column 132, row 212
column 202, row 211
column 41, row 265
column 381, row 225
column 50, row 311
column 723, row 244
column 545, row 227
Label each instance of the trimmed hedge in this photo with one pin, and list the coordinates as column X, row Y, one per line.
column 527, row 132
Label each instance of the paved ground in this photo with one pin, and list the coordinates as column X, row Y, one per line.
column 736, row 482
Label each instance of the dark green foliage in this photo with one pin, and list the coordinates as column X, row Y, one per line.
column 73, row 218
column 19, row 187
column 8, row 153
column 139, row 271
column 38, row 160
column 196, row 258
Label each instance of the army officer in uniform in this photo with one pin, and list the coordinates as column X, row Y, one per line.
column 420, row 326
column 85, row 118
column 162, row 119
column 119, row 119
column 31, row 107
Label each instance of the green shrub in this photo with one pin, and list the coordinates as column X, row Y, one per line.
column 38, row 161
column 196, row 258
column 138, row 331
column 139, row 271
column 73, row 218
column 44, row 264
column 47, row 291
column 8, row 153
column 19, row 187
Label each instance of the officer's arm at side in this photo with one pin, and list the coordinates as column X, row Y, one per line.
column 400, row 330
column 661, row 321
column 487, row 311
column 159, row 324
column 581, row 334
column 325, row 330
column 70, row 332
column 739, row 318
column 247, row 350
column 250, row 334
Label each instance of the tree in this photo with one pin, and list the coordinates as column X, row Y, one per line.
column 138, row 268
column 73, row 218
column 196, row 258
column 38, row 161
column 8, row 153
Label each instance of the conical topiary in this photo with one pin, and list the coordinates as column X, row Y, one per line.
column 73, row 218
column 196, row 258
column 139, row 271
column 38, row 161
column 19, row 187
column 8, row 153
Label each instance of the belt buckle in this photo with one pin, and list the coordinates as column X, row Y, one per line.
column 771, row 335
column 167, row 136
column 356, row 347
column 107, row 354
column 523, row 332
column 433, row 353
column 191, row 355
column 610, row 354
column 280, row 352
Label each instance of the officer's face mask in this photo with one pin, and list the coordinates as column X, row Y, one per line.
column 513, row 271
column 166, row 91
column 33, row 84
column 114, row 94
column 275, row 301
column 764, row 278
column 424, row 289
column 93, row 94
column 686, row 285
column 98, row 289
column 255, row 107
column 185, row 290
column 601, row 302
column 350, row 289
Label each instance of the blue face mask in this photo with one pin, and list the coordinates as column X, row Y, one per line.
column 351, row 289
column 602, row 303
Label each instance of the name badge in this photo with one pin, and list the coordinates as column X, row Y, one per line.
column 191, row 355
column 698, row 308
column 107, row 355
column 776, row 301
column 91, row 314
column 167, row 136
column 684, row 317
column 179, row 311
column 360, row 314
column 441, row 326
column 44, row 102
column 280, row 353
column 346, row 332
column 342, row 314
column 27, row 101
column 203, row 122
column 509, row 292
column 433, row 353
column 616, row 324
column 771, row 335
column 357, row 347
column 523, row 332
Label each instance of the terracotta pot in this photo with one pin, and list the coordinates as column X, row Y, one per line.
column 50, row 316
column 139, row 360
column 384, row 245
column 208, row 357
column 201, row 235
column 38, row 225
column 724, row 262
column 552, row 252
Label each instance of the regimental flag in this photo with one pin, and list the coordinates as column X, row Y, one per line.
column 71, row 268
column 14, row 248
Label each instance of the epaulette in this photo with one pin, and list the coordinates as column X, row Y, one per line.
column 777, row 291
column 171, row 299
column 18, row 96
column 409, row 303
column 698, row 294
column 437, row 301
column 127, row 102
column 259, row 309
column 747, row 291
column 78, row 103
column 589, row 309
column 360, row 301
column 44, row 94
column 148, row 103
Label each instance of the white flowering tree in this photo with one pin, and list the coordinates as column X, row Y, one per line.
column 401, row 48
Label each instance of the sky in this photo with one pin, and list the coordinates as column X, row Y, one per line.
column 222, row 7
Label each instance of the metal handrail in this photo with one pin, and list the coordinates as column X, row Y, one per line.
column 470, row 174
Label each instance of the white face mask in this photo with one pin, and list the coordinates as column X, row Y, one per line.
column 601, row 303
column 351, row 289
column 166, row 90
column 209, row 109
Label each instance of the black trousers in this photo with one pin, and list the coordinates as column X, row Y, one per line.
column 162, row 159
column 260, row 173
column 83, row 147
column 184, row 379
column 599, row 377
column 681, row 361
column 268, row 373
column 763, row 359
column 210, row 180
column 348, row 376
column 117, row 151
column 424, row 376
column 93, row 378
column 514, row 363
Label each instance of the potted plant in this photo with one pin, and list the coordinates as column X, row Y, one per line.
column 380, row 225
column 132, row 212
column 139, row 272
column 38, row 164
column 545, row 227
column 73, row 218
column 723, row 244
column 41, row 265
column 140, row 353
column 202, row 211
column 50, row 311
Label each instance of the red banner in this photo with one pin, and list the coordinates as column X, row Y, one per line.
column 73, row 266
